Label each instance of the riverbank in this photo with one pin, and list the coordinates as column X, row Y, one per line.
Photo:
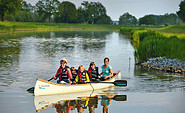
column 13, row 27
column 158, row 42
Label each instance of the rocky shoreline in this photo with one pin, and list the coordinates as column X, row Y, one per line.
column 164, row 64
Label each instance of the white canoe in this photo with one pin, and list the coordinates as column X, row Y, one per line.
column 43, row 87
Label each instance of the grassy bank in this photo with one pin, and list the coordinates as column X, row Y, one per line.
column 157, row 42
column 11, row 27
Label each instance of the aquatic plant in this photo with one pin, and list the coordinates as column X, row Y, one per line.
column 155, row 44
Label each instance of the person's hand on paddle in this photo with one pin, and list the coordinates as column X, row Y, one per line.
column 106, row 77
column 54, row 77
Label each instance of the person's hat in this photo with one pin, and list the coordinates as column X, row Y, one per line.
column 63, row 60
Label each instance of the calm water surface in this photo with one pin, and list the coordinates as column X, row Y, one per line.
column 25, row 57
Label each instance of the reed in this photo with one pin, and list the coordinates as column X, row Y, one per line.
column 156, row 43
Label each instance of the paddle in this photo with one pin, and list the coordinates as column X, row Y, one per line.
column 116, row 98
column 32, row 88
column 116, row 82
column 120, row 97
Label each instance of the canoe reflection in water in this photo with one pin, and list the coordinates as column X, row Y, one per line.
column 79, row 103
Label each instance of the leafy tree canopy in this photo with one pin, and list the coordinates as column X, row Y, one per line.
column 46, row 8
column 9, row 6
column 147, row 20
column 181, row 12
column 67, row 13
column 127, row 19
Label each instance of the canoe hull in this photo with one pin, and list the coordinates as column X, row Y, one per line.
column 43, row 87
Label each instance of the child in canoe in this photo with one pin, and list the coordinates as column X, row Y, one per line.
column 82, row 76
column 74, row 74
column 93, row 73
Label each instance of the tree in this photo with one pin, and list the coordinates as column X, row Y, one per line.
column 67, row 13
column 147, row 20
column 27, row 6
column 104, row 19
column 46, row 8
column 181, row 12
column 127, row 19
column 9, row 6
column 91, row 12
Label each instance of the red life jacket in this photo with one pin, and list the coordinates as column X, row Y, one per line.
column 93, row 74
column 82, row 77
column 63, row 76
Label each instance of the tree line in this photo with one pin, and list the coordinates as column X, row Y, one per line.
column 54, row 11
column 88, row 12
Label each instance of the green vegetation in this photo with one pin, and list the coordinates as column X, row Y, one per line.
column 46, row 8
column 9, row 6
column 127, row 19
column 8, row 27
column 67, row 13
column 181, row 12
column 53, row 11
column 93, row 13
column 147, row 20
column 157, row 42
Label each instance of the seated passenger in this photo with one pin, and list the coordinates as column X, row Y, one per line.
column 106, row 70
column 74, row 74
column 63, row 73
column 93, row 73
column 82, row 76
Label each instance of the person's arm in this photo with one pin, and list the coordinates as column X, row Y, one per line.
column 111, row 73
column 56, row 75
column 69, row 73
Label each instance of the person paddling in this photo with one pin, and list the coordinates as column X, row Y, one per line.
column 63, row 73
column 106, row 70
column 82, row 76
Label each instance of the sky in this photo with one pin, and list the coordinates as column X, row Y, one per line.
column 137, row 8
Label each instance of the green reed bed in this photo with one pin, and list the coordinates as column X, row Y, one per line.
column 155, row 44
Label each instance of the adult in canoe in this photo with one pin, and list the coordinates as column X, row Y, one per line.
column 106, row 70
column 65, row 76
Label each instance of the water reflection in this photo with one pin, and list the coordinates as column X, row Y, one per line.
column 156, row 81
column 78, row 102
column 9, row 58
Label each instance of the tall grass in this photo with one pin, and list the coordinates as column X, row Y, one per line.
column 156, row 43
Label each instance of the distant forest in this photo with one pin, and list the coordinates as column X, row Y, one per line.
column 66, row 12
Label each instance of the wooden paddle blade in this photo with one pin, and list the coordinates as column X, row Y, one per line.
column 31, row 90
column 120, row 83
column 120, row 97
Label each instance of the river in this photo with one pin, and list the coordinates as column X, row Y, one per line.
column 27, row 56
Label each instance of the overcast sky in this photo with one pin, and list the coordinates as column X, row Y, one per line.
column 137, row 8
